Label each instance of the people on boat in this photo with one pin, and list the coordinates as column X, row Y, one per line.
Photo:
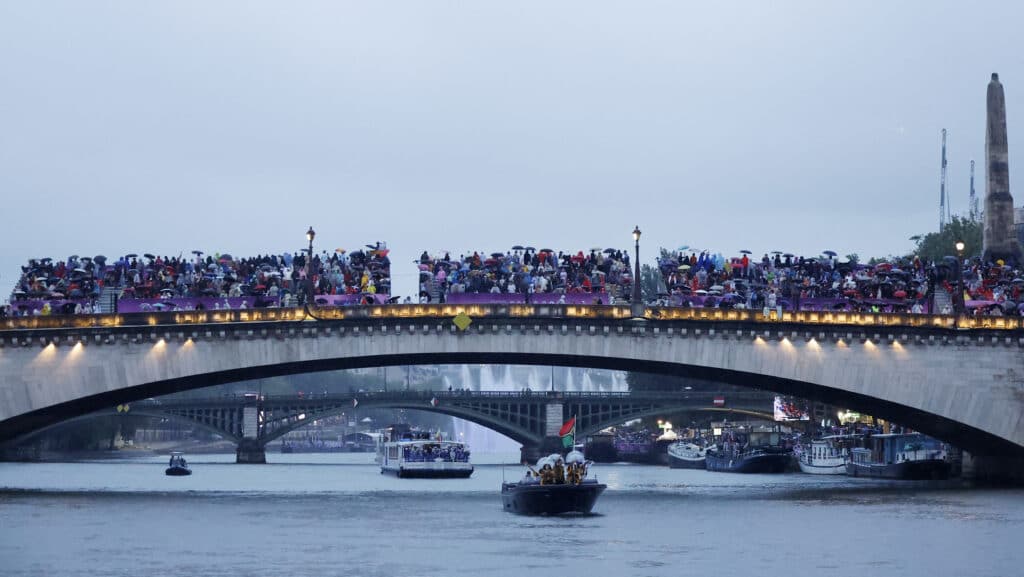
column 554, row 470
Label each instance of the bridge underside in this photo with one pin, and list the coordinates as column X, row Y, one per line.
column 969, row 438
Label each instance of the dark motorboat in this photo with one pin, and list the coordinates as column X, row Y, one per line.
column 899, row 456
column 752, row 460
column 686, row 455
column 749, row 451
column 177, row 467
column 556, row 489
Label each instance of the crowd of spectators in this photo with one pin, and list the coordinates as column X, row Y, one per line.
column 526, row 271
column 426, row 453
column 75, row 285
column 774, row 283
column 787, row 282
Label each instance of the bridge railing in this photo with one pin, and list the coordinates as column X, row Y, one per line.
column 502, row 311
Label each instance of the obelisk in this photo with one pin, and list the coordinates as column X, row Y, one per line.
column 999, row 240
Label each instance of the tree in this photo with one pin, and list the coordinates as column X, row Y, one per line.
column 936, row 245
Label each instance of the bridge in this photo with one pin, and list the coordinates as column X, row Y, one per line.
column 531, row 418
column 959, row 379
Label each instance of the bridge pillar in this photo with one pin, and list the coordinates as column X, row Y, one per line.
column 250, row 451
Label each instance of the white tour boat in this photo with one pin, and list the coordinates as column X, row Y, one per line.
column 421, row 454
column 826, row 456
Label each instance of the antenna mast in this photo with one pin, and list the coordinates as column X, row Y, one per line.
column 974, row 197
column 943, row 210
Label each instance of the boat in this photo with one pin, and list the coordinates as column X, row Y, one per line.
column 899, row 456
column 827, row 455
column 555, row 488
column 748, row 452
column 686, row 455
column 422, row 454
column 177, row 467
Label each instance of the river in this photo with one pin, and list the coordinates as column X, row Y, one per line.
column 324, row 514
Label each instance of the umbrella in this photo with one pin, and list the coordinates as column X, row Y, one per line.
column 131, row 255
column 531, row 248
column 517, row 247
column 609, row 250
column 717, row 287
column 684, row 267
column 541, row 250
column 197, row 252
column 595, row 248
column 702, row 292
column 788, row 255
column 776, row 252
column 73, row 257
column 829, row 252
column 745, row 251
column 684, row 247
column 149, row 256
column 100, row 258
column 497, row 254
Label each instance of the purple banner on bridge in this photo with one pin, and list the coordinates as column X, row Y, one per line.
column 536, row 298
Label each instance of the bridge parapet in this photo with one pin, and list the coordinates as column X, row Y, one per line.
column 544, row 313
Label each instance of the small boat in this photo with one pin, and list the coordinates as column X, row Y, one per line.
column 421, row 454
column 826, row 456
column 686, row 455
column 177, row 467
column 899, row 456
column 556, row 488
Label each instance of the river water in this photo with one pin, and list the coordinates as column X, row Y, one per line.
column 325, row 514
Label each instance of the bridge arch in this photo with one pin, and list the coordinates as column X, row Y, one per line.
column 967, row 389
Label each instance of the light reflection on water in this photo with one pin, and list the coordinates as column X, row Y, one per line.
column 323, row 514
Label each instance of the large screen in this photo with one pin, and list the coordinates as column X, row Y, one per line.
column 791, row 409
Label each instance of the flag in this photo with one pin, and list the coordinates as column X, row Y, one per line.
column 433, row 402
column 568, row 433
column 355, row 403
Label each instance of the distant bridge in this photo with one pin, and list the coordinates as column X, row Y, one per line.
column 526, row 417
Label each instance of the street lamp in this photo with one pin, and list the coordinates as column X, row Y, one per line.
column 310, row 235
column 636, row 303
column 960, row 276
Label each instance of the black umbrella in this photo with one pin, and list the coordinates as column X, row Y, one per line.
column 517, row 247
column 530, row 248
column 73, row 257
column 745, row 251
column 149, row 256
column 788, row 255
column 99, row 259
column 197, row 252
column 497, row 254
column 609, row 250
column 542, row 250
column 131, row 255
column 829, row 252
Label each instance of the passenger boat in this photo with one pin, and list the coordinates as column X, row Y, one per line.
column 556, row 488
column 899, row 456
column 748, row 452
column 686, row 455
column 421, row 454
column 827, row 455
column 177, row 467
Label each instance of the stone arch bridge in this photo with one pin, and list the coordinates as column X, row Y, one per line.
column 959, row 379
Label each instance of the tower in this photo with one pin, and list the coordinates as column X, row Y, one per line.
column 999, row 240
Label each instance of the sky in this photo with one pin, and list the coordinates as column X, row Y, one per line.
column 798, row 126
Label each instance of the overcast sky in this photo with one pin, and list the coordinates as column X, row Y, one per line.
column 233, row 126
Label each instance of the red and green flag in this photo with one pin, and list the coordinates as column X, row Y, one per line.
column 568, row 433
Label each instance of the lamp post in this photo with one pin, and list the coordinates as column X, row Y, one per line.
column 636, row 303
column 310, row 235
column 960, row 277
